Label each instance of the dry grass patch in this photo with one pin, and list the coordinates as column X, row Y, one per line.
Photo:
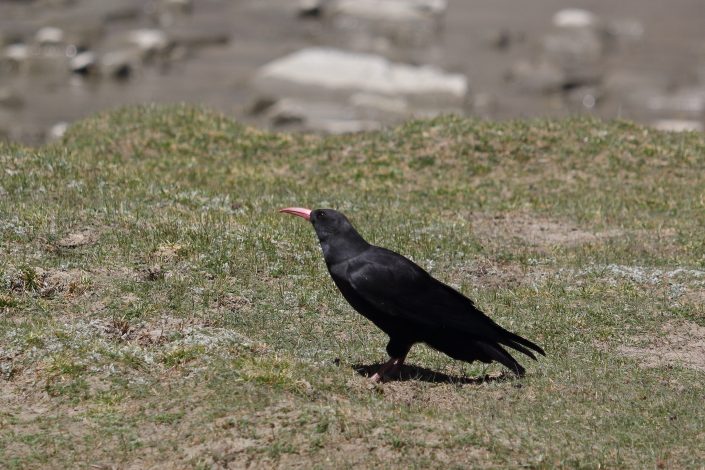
column 677, row 344
column 533, row 229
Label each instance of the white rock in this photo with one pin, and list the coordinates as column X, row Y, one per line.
column 678, row 125
column 148, row 40
column 58, row 130
column 17, row 52
column 83, row 62
column 575, row 18
column 49, row 35
column 330, row 74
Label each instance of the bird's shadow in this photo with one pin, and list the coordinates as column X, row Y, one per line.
column 410, row 372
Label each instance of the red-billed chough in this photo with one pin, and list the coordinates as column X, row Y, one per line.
column 407, row 303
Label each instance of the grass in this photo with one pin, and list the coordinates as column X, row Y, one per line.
column 191, row 325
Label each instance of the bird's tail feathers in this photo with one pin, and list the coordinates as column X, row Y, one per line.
column 514, row 338
column 498, row 353
column 518, row 347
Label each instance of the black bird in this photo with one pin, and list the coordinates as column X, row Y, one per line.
column 407, row 303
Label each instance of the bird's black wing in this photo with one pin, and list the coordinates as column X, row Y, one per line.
column 397, row 286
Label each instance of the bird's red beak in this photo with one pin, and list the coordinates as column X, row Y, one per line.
column 299, row 211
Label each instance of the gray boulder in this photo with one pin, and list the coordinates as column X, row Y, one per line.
column 331, row 74
column 336, row 91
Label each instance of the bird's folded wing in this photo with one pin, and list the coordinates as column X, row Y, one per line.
column 396, row 286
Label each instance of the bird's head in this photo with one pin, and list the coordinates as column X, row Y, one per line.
column 326, row 222
column 333, row 229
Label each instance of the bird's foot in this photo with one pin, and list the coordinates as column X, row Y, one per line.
column 391, row 367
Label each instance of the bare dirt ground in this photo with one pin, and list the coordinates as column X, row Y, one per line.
column 534, row 230
column 679, row 344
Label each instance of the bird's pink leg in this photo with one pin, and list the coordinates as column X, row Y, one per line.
column 390, row 367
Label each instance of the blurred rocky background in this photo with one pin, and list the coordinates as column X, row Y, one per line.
column 349, row 65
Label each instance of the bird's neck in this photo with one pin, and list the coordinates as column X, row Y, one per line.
column 337, row 249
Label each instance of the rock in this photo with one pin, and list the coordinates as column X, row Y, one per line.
column 334, row 75
column 678, row 125
column 149, row 41
column 58, row 130
column 84, row 63
column 335, row 91
column 120, row 64
column 538, row 77
column 49, row 36
column 15, row 55
column 577, row 44
column 575, row 18
column 401, row 22
column 578, row 52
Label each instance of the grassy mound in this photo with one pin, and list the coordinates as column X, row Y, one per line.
column 156, row 310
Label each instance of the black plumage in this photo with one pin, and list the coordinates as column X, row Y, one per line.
column 406, row 302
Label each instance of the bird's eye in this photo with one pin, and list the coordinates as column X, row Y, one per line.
column 322, row 214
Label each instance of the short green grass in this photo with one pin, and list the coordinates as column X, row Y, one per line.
column 194, row 326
